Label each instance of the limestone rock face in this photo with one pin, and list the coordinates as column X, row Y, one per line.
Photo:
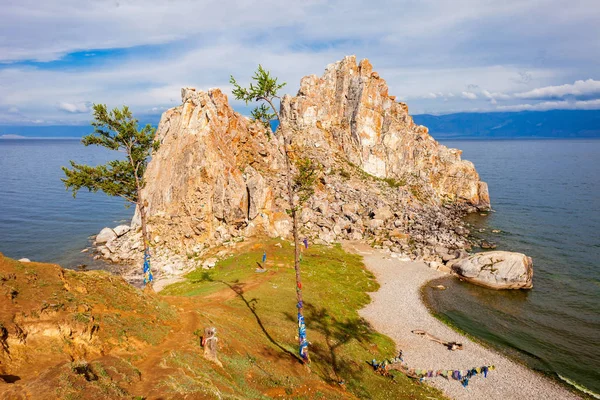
column 349, row 109
column 205, row 175
column 497, row 270
column 218, row 177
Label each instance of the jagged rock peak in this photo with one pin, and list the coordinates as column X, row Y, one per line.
column 350, row 109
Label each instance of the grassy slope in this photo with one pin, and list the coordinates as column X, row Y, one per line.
column 255, row 316
column 145, row 345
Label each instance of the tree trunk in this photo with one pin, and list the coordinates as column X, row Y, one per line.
column 146, row 241
column 302, row 340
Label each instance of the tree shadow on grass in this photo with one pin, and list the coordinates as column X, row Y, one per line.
column 238, row 288
column 337, row 333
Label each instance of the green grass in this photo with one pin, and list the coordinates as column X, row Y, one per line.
column 261, row 317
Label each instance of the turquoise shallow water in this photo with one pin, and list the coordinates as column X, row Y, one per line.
column 39, row 219
column 546, row 198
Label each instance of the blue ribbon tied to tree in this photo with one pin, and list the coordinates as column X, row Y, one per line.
column 148, row 278
column 303, row 350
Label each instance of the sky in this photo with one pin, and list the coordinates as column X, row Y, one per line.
column 59, row 57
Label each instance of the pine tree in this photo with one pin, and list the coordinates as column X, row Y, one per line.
column 117, row 130
column 265, row 89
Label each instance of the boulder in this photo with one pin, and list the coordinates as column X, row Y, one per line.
column 105, row 235
column 350, row 209
column 497, row 270
column 121, row 230
column 383, row 213
column 210, row 263
column 376, row 224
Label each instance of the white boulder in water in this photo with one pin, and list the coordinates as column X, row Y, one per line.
column 497, row 270
column 105, row 236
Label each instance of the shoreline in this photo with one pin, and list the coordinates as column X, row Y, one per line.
column 397, row 308
column 555, row 377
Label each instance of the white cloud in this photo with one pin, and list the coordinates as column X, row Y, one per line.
column 428, row 51
column 554, row 105
column 577, row 89
column 13, row 110
column 588, row 104
column 74, row 107
column 469, row 95
column 495, row 95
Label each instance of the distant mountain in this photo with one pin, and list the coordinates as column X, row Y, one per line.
column 506, row 125
column 553, row 124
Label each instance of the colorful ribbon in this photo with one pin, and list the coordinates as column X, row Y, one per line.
column 148, row 278
column 303, row 349
column 462, row 376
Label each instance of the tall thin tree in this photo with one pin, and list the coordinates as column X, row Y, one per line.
column 117, row 130
column 265, row 89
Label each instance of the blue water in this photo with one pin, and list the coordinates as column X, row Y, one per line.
column 39, row 219
column 546, row 198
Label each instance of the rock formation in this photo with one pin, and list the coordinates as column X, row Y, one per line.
column 497, row 270
column 349, row 110
column 218, row 177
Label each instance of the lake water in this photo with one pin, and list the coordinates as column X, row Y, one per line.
column 546, row 197
column 39, row 219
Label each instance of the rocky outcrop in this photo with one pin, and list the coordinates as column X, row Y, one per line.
column 219, row 178
column 497, row 270
column 349, row 109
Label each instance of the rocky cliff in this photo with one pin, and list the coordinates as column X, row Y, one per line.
column 349, row 110
column 218, row 177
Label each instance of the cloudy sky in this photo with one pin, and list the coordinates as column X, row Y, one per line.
column 440, row 56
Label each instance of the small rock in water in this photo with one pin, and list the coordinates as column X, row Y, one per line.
column 85, row 250
column 487, row 245
column 105, row 235
column 496, row 231
column 439, row 287
column 24, row 260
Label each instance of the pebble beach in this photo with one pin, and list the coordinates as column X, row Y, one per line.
column 396, row 310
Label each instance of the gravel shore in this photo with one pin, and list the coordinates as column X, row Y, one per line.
column 396, row 309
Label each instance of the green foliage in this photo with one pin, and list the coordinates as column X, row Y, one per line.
column 394, row 183
column 265, row 88
column 263, row 115
column 115, row 130
column 304, row 180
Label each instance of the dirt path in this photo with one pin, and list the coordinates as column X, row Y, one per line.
column 396, row 309
column 180, row 338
